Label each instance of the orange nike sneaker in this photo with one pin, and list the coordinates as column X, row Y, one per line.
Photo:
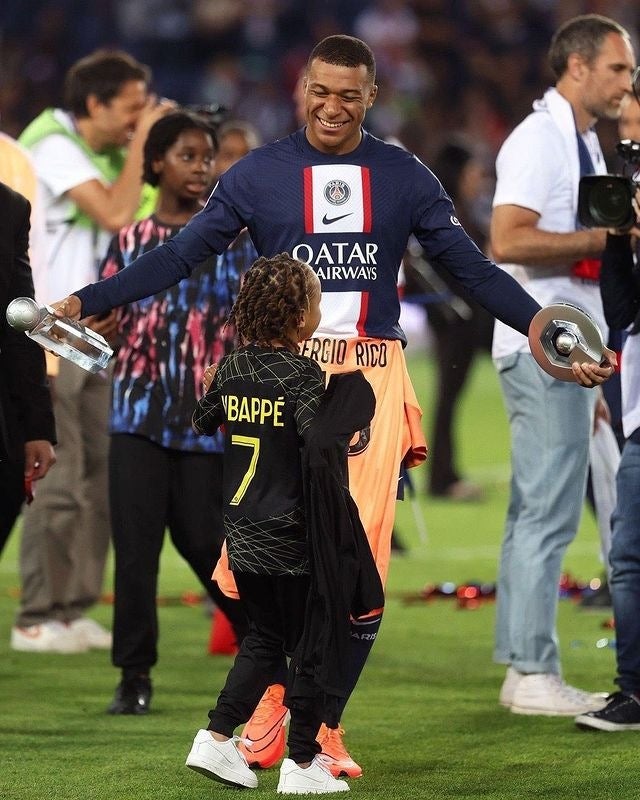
column 266, row 730
column 334, row 753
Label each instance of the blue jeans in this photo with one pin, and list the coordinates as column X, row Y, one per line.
column 550, row 423
column 624, row 558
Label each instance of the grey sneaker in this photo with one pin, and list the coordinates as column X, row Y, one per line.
column 315, row 779
column 220, row 761
column 511, row 680
column 546, row 694
column 47, row 637
column 95, row 636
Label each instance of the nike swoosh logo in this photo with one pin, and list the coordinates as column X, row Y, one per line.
column 328, row 220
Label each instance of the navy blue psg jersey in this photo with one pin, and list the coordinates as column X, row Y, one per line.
column 348, row 216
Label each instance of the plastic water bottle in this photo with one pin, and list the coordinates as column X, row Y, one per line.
column 61, row 335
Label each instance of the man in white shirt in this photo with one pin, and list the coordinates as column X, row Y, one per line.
column 536, row 236
column 88, row 159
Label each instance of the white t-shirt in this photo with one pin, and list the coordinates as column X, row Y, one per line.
column 73, row 252
column 538, row 168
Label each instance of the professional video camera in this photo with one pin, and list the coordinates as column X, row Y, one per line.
column 605, row 201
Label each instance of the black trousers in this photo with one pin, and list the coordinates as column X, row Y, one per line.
column 152, row 488
column 11, row 497
column 455, row 345
column 275, row 606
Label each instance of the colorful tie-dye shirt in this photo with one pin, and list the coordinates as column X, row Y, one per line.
column 165, row 341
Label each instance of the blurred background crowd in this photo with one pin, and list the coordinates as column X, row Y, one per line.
column 446, row 68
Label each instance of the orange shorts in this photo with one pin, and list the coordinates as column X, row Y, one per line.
column 395, row 438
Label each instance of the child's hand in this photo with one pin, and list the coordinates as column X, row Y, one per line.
column 209, row 374
column 104, row 324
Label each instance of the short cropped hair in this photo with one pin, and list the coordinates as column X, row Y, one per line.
column 164, row 133
column 344, row 51
column 102, row 73
column 583, row 35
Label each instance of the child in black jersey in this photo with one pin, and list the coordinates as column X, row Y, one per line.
column 266, row 395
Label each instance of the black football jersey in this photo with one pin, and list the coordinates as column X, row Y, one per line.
column 265, row 399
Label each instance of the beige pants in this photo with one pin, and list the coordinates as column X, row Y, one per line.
column 66, row 531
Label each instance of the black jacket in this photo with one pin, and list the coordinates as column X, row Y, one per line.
column 26, row 413
column 344, row 578
column 620, row 284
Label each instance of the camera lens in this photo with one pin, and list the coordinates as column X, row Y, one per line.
column 609, row 202
column 605, row 201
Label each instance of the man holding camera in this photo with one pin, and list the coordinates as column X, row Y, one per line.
column 620, row 289
column 536, row 236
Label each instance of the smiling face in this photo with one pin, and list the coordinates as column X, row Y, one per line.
column 114, row 122
column 336, row 100
column 187, row 166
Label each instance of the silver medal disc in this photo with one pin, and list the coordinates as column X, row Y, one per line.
column 562, row 333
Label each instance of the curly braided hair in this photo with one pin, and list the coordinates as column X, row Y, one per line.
column 273, row 295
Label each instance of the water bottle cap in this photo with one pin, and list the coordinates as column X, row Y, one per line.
column 23, row 313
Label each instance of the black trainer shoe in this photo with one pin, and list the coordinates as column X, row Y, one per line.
column 133, row 696
column 622, row 713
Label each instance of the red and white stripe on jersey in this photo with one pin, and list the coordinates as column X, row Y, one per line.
column 337, row 197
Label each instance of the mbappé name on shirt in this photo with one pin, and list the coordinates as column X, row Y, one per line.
column 257, row 410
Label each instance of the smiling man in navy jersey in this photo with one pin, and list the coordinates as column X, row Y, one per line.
column 345, row 202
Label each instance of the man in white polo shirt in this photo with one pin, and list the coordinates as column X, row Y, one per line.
column 536, row 236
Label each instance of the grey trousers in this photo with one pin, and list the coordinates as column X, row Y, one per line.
column 66, row 530
column 551, row 423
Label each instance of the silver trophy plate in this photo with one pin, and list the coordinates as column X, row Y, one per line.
column 561, row 334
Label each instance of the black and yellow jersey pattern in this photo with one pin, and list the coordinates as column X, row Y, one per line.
column 265, row 399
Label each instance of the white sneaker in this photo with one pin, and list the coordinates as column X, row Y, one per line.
column 511, row 680
column 95, row 636
column 220, row 761
column 548, row 695
column 47, row 637
column 315, row 779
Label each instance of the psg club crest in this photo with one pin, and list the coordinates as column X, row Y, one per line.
column 360, row 442
column 337, row 192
